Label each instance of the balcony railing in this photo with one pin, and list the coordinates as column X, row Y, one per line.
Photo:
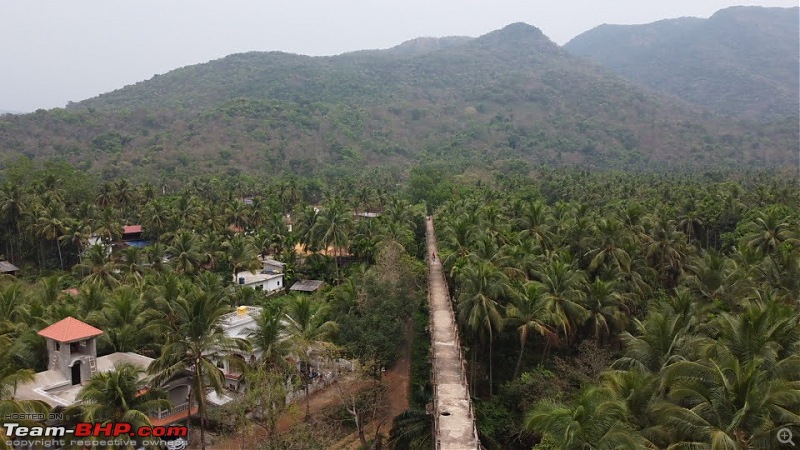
column 168, row 412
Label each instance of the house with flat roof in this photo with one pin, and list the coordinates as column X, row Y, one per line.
column 238, row 325
column 264, row 280
column 241, row 323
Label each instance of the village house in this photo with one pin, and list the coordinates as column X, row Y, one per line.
column 269, row 279
column 261, row 281
column 240, row 324
column 72, row 361
column 131, row 233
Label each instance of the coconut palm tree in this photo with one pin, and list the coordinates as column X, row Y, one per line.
column 185, row 215
column 271, row 338
column 77, row 233
column 13, row 207
column 50, row 226
column 597, row 420
column 780, row 274
column 333, row 227
column 123, row 319
column 534, row 222
column 241, row 254
column 130, row 261
column 666, row 252
column 108, row 225
column 691, row 224
column 457, row 238
column 195, row 344
column 660, row 341
column 105, row 198
column 238, row 215
column 120, row 395
column 305, row 227
column 765, row 330
column 156, row 217
column 412, row 430
column 713, row 277
column 641, row 393
column 524, row 255
column 12, row 298
column 310, row 335
column 402, row 213
column 187, row 252
column 609, row 248
column 124, row 194
column 481, row 285
column 769, row 230
column 564, row 295
column 527, row 311
column 11, row 377
column 724, row 403
column 607, row 310
column 97, row 267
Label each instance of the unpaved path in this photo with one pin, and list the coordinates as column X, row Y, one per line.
column 294, row 415
column 397, row 381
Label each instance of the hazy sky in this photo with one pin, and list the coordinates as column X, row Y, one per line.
column 56, row 51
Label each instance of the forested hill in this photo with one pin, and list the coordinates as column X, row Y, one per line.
column 507, row 96
column 742, row 61
column 501, row 65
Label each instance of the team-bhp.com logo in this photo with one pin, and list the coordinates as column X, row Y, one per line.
column 86, row 433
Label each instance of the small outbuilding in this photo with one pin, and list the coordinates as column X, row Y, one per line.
column 6, row 268
column 307, row 285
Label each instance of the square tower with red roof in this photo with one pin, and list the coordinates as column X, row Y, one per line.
column 71, row 348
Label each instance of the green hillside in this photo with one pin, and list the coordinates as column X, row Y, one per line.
column 742, row 61
column 506, row 96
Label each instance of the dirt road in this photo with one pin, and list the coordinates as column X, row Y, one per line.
column 397, row 381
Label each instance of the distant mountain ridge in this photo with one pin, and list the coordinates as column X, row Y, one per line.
column 509, row 96
column 742, row 61
column 423, row 45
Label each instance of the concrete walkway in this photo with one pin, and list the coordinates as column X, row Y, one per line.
column 454, row 421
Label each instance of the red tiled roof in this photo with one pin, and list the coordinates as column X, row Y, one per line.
column 70, row 330
column 127, row 229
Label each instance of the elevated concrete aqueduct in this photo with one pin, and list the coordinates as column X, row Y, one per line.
column 454, row 418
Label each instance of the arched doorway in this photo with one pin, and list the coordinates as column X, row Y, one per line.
column 76, row 373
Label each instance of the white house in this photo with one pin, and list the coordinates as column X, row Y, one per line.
column 265, row 280
column 239, row 325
